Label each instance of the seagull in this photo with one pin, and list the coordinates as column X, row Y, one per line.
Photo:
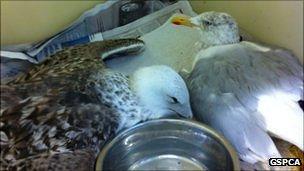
column 60, row 114
column 246, row 91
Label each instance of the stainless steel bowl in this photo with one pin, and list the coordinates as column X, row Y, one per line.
column 168, row 144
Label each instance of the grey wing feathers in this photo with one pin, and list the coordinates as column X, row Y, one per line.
column 249, row 73
column 225, row 89
column 282, row 71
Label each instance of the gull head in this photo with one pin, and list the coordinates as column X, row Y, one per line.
column 216, row 28
column 162, row 91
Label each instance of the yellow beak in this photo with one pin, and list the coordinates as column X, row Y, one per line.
column 182, row 20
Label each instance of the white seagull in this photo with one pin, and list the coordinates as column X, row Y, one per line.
column 244, row 90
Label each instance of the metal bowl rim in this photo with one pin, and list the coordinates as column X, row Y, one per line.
column 193, row 123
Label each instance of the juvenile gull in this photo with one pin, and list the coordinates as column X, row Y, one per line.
column 59, row 115
column 245, row 90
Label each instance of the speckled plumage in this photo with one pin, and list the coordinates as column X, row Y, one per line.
column 59, row 113
column 80, row 61
column 68, row 107
column 42, row 124
column 107, row 86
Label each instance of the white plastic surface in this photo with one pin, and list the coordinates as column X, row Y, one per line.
column 172, row 45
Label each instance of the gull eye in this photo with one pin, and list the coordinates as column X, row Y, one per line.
column 174, row 100
column 207, row 23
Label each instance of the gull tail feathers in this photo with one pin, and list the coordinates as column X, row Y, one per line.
column 283, row 117
column 259, row 145
column 243, row 128
column 250, row 140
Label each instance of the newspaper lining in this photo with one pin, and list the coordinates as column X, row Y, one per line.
column 96, row 24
